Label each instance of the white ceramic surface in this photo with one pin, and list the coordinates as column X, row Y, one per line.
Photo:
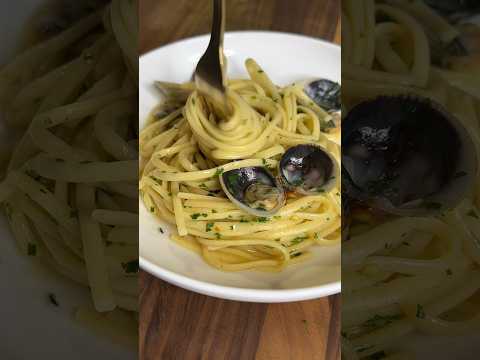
column 286, row 58
column 30, row 326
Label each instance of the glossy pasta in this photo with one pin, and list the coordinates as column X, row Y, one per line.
column 70, row 187
column 405, row 276
column 185, row 146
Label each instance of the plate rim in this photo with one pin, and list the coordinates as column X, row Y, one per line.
column 229, row 292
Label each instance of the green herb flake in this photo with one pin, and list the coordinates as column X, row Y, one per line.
column 296, row 255
column 262, row 219
column 264, row 161
column 218, row 235
column 243, row 221
column 473, row 214
column 209, row 227
column 219, row 172
column 420, row 312
column 152, row 209
column 449, row 272
column 298, row 240
column 130, row 267
column 161, row 230
column 31, row 249
column 261, row 71
column 432, row 205
column 195, row 216
column 214, row 211
column 53, row 299
column 232, row 227
column 378, row 321
column 459, row 174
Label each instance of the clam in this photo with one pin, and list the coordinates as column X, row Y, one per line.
column 254, row 190
column 451, row 7
column 325, row 93
column 406, row 156
column 308, row 169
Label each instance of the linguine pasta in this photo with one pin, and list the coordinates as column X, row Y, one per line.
column 70, row 187
column 186, row 146
column 404, row 276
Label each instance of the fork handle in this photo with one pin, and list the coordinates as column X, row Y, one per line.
column 218, row 25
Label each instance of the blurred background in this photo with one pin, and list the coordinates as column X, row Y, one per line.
column 179, row 324
column 165, row 21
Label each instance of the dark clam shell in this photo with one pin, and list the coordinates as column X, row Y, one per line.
column 449, row 7
column 406, row 155
column 325, row 93
column 308, row 169
column 253, row 189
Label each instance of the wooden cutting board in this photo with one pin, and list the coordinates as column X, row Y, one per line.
column 176, row 324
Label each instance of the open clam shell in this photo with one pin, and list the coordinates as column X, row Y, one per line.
column 254, row 190
column 406, row 156
column 308, row 169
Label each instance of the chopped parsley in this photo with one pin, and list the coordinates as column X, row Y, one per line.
column 161, row 230
column 420, row 312
column 261, row 71
column 209, row 227
column 298, row 182
column 32, row 173
column 473, row 214
column 243, row 221
column 53, row 299
column 380, row 321
column 233, row 178
column 264, row 161
column 31, row 249
column 432, row 205
column 152, row 209
column 219, row 172
column 130, row 267
column 262, row 219
column 218, row 235
column 296, row 255
column 298, row 240
column 459, row 174
column 214, row 211
column 449, row 272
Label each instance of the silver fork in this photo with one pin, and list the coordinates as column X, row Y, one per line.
column 209, row 76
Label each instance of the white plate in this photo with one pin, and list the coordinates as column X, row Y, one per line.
column 286, row 58
column 30, row 326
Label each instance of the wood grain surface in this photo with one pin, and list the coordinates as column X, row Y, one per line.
column 176, row 324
